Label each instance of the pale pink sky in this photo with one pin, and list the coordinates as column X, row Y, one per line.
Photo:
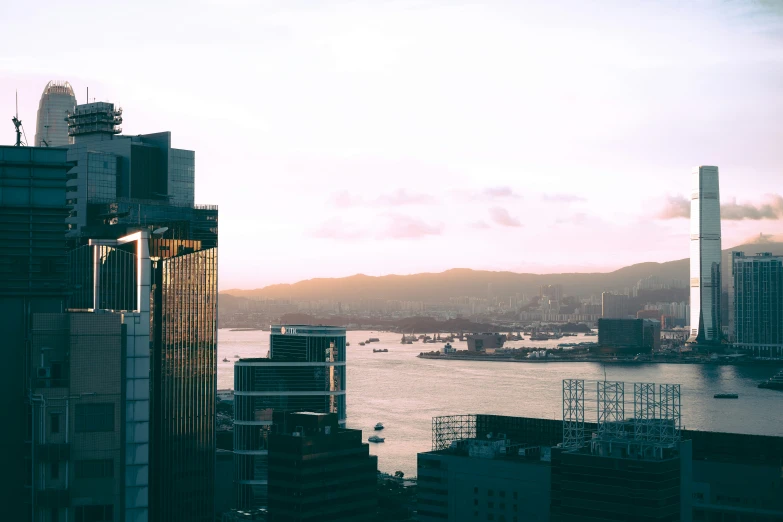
column 405, row 136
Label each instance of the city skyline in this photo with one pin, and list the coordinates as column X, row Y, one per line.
column 359, row 130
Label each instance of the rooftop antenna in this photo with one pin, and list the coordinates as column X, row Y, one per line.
column 18, row 124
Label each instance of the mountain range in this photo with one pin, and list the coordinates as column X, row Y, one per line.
column 457, row 282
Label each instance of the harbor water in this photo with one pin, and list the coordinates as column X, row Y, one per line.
column 404, row 392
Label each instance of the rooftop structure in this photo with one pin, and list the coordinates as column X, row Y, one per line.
column 57, row 102
column 94, row 118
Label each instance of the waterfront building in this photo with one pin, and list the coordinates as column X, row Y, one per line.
column 614, row 306
column 57, row 101
column 319, row 471
column 705, row 261
column 758, row 303
column 32, row 280
column 649, row 313
column 629, row 336
column 305, row 372
column 478, row 472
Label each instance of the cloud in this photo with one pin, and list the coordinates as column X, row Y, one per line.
column 675, row 207
column 498, row 193
column 771, row 208
column 563, row 198
column 406, row 227
column 402, row 197
column 501, row 216
column 479, row 224
column 394, row 199
column 336, row 228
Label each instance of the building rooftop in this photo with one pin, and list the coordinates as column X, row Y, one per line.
column 304, row 329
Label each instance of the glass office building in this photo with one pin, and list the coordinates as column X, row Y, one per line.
column 305, row 372
column 51, row 129
column 758, row 303
column 705, row 280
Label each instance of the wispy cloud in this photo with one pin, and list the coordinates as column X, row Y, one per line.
column 770, row 208
column 501, row 216
column 563, row 198
column 498, row 193
column 336, row 228
column 479, row 224
column 394, row 199
column 407, row 227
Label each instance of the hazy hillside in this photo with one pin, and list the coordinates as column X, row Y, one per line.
column 457, row 282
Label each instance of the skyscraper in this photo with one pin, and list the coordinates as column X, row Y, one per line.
column 51, row 129
column 306, row 372
column 705, row 281
column 758, row 303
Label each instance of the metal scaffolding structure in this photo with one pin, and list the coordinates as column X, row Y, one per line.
column 452, row 428
column 573, row 413
column 670, row 412
column 611, row 408
column 645, row 406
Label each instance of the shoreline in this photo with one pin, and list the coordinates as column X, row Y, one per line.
column 604, row 361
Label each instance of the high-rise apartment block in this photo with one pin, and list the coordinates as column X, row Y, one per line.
column 758, row 303
column 705, row 280
column 57, row 102
column 319, row 471
column 305, row 372
column 614, row 306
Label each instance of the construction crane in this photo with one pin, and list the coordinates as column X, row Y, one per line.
column 18, row 125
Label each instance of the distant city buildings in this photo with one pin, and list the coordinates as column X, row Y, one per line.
column 758, row 303
column 319, row 470
column 705, row 261
column 57, row 102
column 305, row 372
column 614, row 306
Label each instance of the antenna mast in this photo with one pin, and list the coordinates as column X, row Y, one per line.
column 18, row 123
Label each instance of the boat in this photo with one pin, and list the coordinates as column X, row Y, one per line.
column 376, row 438
column 726, row 396
column 773, row 383
column 379, row 426
column 373, row 340
column 225, row 359
column 381, row 350
column 361, row 344
column 236, row 357
column 347, row 344
column 448, row 348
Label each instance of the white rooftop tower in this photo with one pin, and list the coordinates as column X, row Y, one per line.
column 51, row 129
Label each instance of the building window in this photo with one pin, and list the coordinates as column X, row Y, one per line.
column 94, row 513
column 54, row 423
column 94, row 417
column 490, row 505
column 54, row 470
column 475, row 491
column 490, row 493
column 515, row 495
column 94, row 468
column 475, row 502
column 502, row 494
column 54, row 515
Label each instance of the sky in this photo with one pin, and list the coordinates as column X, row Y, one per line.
column 382, row 137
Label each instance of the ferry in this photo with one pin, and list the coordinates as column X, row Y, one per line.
column 382, row 350
column 773, row 383
column 376, row 438
column 225, row 359
column 361, row 344
column 379, row 426
column 726, row 396
column 373, row 340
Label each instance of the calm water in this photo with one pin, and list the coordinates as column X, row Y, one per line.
column 405, row 392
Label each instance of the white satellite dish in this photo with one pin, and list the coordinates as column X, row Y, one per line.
column 160, row 231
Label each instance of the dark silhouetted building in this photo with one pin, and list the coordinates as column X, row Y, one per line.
column 33, row 269
column 758, row 303
column 305, row 372
column 629, row 336
column 319, row 471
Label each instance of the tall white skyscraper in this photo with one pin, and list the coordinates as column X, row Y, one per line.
column 705, row 256
column 51, row 129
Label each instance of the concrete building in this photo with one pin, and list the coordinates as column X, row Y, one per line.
column 758, row 303
column 474, row 474
column 57, row 101
column 629, row 336
column 614, row 306
column 705, row 271
column 305, row 372
column 33, row 279
column 319, row 471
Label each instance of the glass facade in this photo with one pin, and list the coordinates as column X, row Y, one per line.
column 705, row 272
column 51, row 129
column 182, row 176
column 758, row 303
column 101, row 176
column 184, row 382
column 306, row 372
